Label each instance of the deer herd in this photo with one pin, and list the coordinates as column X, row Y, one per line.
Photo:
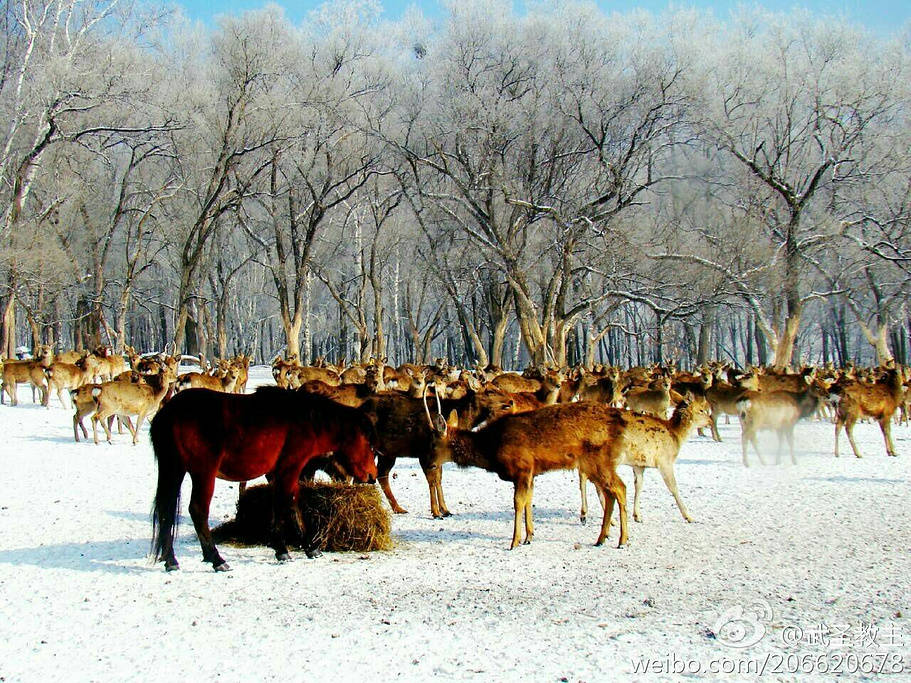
column 514, row 425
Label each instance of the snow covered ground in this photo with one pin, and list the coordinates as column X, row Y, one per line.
column 792, row 570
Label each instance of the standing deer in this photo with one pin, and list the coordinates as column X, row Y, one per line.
column 650, row 441
column 126, row 398
column 778, row 411
column 855, row 399
column 17, row 372
column 520, row 446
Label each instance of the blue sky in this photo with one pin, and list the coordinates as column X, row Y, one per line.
column 879, row 15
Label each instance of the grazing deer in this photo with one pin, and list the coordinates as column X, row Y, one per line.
column 651, row 441
column 403, row 432
column 855, row 399
column 126, row 398
column 778, row 411
column 16, row 372
column 518, row 447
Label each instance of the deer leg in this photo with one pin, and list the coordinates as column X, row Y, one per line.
column 885, row 424
column 790, row 436
column 135, row 430
column 670, row 480
column 849, row 430
column 77, row 425
column 529, row 521
column 839, row 423
column 608, row 511
column 384, row 465
column 744, row 441
column 95, row 420
column 618, row 488
column 614, row 490
column 638, row 475
column 200, row 499
column 583, row 492
column 519, row 497
column 715, row 435
column 756, row 448
column 440, row 499
column 434, row 476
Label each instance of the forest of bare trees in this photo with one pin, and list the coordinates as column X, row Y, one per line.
column 559, row 186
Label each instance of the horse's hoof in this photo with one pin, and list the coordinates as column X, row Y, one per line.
column 223, row 567
column 283, row 557
column 313, row 553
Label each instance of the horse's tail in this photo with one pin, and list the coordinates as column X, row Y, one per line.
column 167, row 496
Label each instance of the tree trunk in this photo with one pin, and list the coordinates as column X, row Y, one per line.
column 8, row 349
column 784, row 345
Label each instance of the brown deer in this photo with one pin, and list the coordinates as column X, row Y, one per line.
column 403, row 432
column 126, row 398
column 281, row 369
column 786, row 381
column 778, row 411
column 84, row 404
column 723, row 396
column 602, row 388
column 225, row 381
column 16, row 372
column 650, row 441
column 653, row 400
column 304, row 373
column 106, row 364
column 514, row 383
column 62, row 376
column 856, row 399
column 520, row 446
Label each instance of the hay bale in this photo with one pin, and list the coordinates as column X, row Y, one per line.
column 346, row 517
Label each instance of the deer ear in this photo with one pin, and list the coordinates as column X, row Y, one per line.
column 453, row 420
column 439, row 424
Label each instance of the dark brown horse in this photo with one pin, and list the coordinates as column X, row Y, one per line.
column 237, row 437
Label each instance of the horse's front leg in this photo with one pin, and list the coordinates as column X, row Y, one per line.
column 285, row 489
column 200, row 499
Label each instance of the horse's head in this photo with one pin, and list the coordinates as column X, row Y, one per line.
column 357, row 458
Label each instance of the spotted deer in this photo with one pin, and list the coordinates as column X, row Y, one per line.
column 854, row 399
column 648, row 441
